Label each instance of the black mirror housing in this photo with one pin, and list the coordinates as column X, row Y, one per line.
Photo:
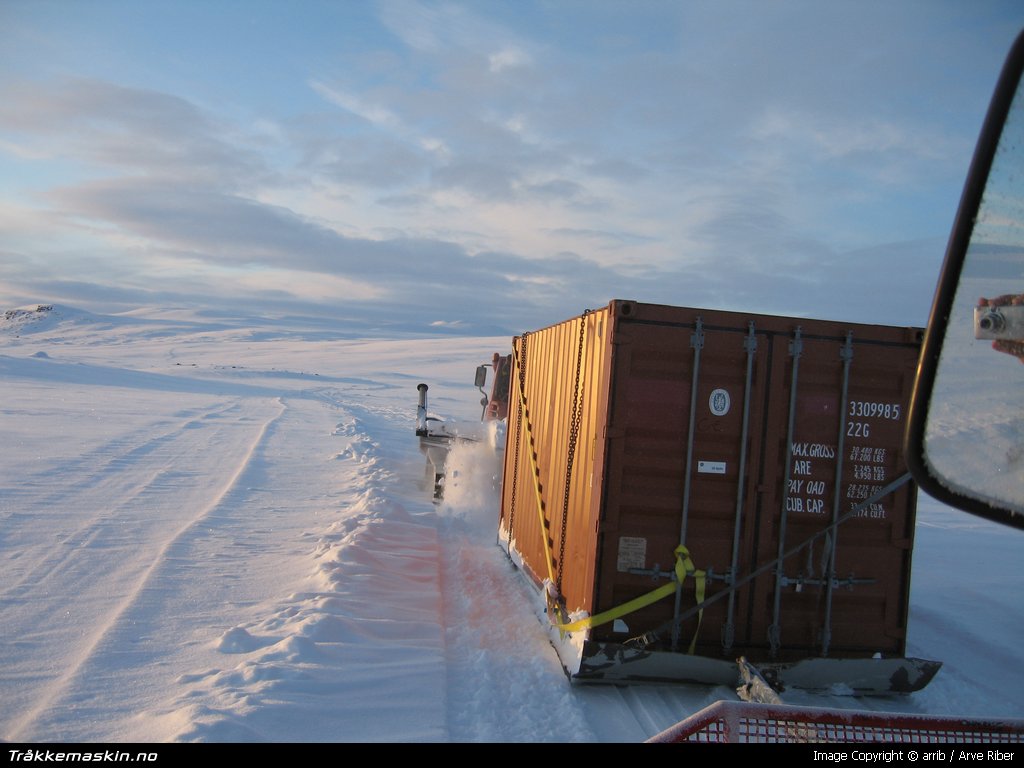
column 971, row 496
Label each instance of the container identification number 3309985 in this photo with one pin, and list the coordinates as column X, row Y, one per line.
column 865, row 409
column 869, row 410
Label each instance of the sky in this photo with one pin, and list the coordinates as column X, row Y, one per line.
column 488, row 167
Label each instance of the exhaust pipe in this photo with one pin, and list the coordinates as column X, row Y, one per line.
column 421, row 411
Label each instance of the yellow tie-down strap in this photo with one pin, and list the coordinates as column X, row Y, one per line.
column 684, row 567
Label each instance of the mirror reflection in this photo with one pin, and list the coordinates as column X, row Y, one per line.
column 974, row 436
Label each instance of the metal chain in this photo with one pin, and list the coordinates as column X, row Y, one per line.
column 575, row 420
column 521, row 360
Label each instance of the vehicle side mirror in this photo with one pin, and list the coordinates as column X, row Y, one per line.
column 965, row 431
column 481, row 376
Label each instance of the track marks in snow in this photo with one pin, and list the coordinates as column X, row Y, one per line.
column 151, row 546
column 149, row 476
column 504, row 681
column 90, row 474
column 368, row 620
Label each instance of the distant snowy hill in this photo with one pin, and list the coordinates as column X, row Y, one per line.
column 58, row 323
column 37, row 317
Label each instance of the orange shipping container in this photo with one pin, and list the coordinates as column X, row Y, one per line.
column 636, row 428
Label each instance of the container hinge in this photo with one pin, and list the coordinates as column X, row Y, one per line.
column 728, row 635
column 796, row 344
column 697, row 339
column 750, row 340
column 725, row 578
column 846, row 351
column 654, row 573
column 802, row 581
column 657, row 573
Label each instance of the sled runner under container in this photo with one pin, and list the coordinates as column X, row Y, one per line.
column 638, row 429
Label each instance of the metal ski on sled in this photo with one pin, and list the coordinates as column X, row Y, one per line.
column 616, row 663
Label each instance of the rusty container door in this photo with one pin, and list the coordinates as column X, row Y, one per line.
column 692, row 432
column 847, row 594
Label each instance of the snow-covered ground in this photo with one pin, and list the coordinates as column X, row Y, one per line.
column 214, row 528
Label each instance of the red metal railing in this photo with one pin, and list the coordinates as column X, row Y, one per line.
column 738, row 722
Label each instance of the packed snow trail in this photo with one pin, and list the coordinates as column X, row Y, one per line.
column 499, row 687
column 357, row 653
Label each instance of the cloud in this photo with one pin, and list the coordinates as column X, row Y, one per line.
column 507, row 58
column 468, row 165
column 246, row 247
column 376, row 114
column 479, row 178
column 375, row 162
column 604, row 239
column 439, row 29
column 127, row 129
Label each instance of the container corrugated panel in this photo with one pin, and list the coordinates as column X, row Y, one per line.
column 691, row 430
column 540, row 424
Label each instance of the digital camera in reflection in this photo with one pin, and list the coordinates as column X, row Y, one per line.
column 1005, row 322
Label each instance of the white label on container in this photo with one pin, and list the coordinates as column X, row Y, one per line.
column 632, row 553
column 711, row 467
column 719, row 402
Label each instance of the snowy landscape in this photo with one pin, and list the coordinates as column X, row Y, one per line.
column 213, row 527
